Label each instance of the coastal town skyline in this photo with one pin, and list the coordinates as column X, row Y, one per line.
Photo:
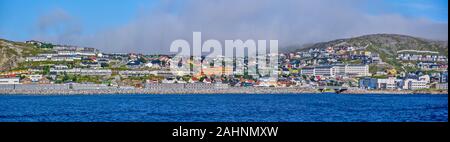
column 354, row 65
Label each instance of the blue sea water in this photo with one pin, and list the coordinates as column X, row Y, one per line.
column 225, row 108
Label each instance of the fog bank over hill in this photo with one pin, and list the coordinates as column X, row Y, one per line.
column 292, row 22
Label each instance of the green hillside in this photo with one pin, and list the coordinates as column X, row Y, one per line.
column 386, row 45
column 12, row 53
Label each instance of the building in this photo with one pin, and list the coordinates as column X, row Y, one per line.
column 352, row 70
column 307, row 71
column 59, row 67
column 344, row 70
column 442, row 86
column 67, row 58
column 425, row 78
column 327, row 71
column 368, row 83
column 413, row 84
column 36, row 59
column 35, row 77
column 26, row 81
column 444, row 77
column 94, row 72
column 388, row 83
column 135, row 73
column 15, row 80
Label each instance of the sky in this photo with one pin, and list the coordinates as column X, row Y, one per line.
column 149, row 26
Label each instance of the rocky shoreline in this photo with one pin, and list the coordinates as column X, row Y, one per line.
column 232, row 90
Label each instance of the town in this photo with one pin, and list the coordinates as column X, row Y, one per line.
column 332, row 69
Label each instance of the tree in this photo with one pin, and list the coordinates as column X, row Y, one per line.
column 46, row 70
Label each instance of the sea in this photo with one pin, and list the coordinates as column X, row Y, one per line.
column 225, row 108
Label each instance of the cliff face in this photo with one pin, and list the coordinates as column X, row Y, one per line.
column 13, row 53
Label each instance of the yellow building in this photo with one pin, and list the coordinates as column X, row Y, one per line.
column 216, row 71
column 391, row 72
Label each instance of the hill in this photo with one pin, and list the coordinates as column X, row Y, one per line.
column 12, row 53
column 387, row 43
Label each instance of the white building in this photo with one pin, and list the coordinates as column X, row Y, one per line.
column 59, row 67
column 352, row 70
column 10, row 80
column 328, row 71
column 36, row 59
column 307, row 71
column 134, row 73
column 35, row 77
column 169, row 81
column 93, row 72
column 388, row 83
column 412, row 84
column 331, row 71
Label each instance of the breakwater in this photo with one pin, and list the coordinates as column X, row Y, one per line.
column 66, row 89
column 150, row 89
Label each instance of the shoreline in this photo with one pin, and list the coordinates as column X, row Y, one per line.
column 233, row 90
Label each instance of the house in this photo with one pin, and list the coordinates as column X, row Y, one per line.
column 91, row 64
column 44, row 80
column 169, row 80
column 153, row 64
column 444, row 77
column 26, row 81
column 193, row 80
column 134, row 64
column 207, row 80
column 35, row 77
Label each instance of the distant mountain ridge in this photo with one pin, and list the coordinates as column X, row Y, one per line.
column 386, row 43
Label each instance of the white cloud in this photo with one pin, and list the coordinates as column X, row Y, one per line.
column 58, row 26
column 289, row 21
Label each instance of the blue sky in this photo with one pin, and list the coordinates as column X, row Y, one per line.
column 19, row 18
column 436, row 10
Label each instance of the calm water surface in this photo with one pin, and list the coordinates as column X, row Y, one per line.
column 227, row 108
